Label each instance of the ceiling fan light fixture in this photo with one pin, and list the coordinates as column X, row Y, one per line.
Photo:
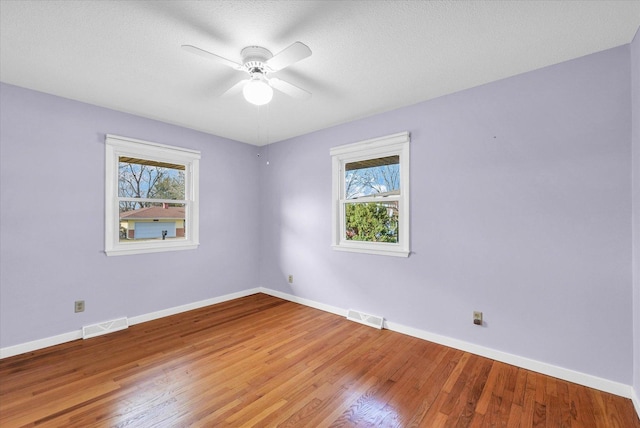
column 257, row 92
column 257, row 62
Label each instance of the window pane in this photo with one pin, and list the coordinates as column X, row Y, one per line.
column 140, row 178
column 373, row 222
column 147, row 221
column 372, row 177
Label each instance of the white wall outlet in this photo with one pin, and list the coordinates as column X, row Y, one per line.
column 79, row 306
column 290, row 279
column 477, row 317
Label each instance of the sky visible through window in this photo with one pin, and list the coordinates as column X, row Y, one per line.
column 364, row 180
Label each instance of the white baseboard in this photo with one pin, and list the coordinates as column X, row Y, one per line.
column 529, row 364
column 22, row 348
column 191, row 306
column 305, row 302
column 580, row 378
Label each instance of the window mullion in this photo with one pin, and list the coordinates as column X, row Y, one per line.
column 154, row 201
column 372, row 199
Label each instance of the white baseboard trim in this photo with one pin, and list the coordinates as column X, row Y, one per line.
column 23, row 348
column 305, row 302
column 34, row 345
column 580, row 378
column 191, row 306
column 529, row 364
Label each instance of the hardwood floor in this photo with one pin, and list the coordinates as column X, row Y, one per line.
column 262, row 361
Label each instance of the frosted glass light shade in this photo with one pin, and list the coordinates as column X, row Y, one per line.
column 257, row 92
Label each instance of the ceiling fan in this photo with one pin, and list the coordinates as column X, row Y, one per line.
column 258, row 62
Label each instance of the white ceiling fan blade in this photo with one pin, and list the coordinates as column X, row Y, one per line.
column 235, row 89
column 211, row 56
column 292, row 54
column 289, row 89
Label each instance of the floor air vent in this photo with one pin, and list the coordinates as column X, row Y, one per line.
column 104, row 328
column 366, row 319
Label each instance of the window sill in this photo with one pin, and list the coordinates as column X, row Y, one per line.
column 387, row 250
column 123, row 250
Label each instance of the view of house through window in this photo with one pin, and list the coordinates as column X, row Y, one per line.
column 151, row 197
column 372, row 221
column 140, row 182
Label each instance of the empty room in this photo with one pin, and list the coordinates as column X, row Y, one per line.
column 319, row 213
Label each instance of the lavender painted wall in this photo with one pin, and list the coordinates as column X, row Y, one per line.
column 520, row 209
column 635, row 109
column 52, row 220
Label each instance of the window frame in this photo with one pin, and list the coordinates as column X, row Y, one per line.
column 390, row 145
column 116, row 147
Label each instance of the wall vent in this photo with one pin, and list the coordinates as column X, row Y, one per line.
column 99, row 329
column 366, row 319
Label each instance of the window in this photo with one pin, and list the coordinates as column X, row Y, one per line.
column 371, row 196
column 151, row 197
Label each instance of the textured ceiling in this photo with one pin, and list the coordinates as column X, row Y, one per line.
column 368, row 56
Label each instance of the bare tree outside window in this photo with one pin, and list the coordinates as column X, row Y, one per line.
column 142, row 179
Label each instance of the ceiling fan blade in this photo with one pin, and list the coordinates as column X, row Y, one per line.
column 289, row 89
column 292, row 54
column 211, row 56
column 235, row 89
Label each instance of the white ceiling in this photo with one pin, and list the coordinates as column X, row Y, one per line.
column 368, row 56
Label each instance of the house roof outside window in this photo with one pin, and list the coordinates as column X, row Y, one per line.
column 155, row 212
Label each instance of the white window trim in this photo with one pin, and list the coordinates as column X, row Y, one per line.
column 396, row 144
column 116, row 146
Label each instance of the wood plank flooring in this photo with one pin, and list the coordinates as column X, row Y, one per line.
column 265, row 362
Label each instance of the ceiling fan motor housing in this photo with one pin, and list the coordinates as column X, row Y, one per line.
column 254, row 59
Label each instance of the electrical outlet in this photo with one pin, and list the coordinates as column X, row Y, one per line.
column 477, row 317
column 290, row 279
column 79, row 306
